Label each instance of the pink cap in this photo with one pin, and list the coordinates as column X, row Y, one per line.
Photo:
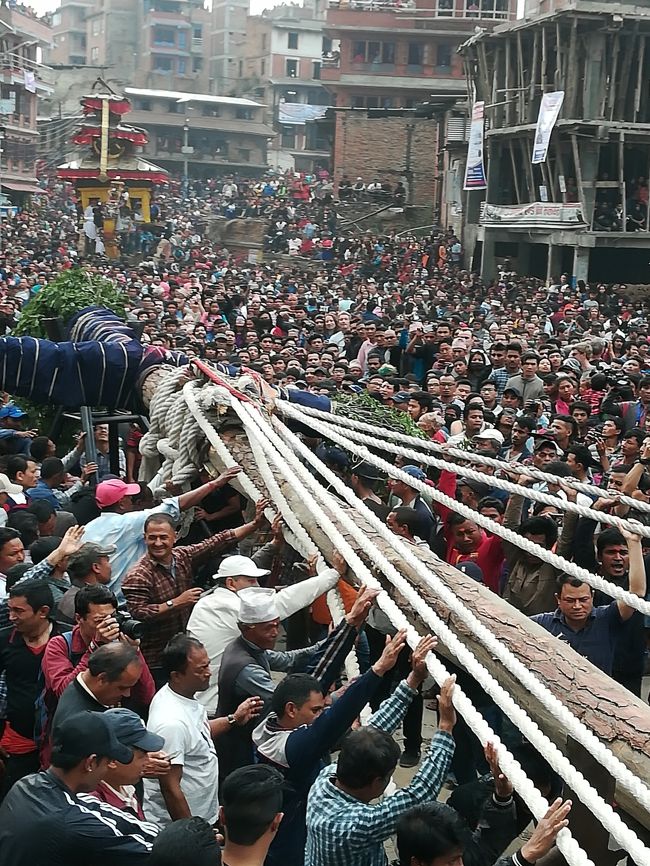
column 110, row 492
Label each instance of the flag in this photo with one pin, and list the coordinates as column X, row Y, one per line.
column 30, row 82
column 475, row 170
column 549, row 111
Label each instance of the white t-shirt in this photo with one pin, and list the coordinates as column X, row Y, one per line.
column 183, row 723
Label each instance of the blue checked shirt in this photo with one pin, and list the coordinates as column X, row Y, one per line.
column 343, row 831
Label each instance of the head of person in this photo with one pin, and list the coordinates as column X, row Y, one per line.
column 12, row 417
column 45, row 516
column 130, row 730
column 521, row 430
column 22, row 471
column 431, row 834
column 578, row 458
column 419, row 403
column 24, row 522
column 511, row 399
column 83, row 746
column 93, row 604
column 403, row 489
column 259, row 621
column 575, row 599
column 612, row 553
column 52, row 471
column 545, row 451
column 488, row 392
column 405, row 522
column 616, row 477
column 580, row 411
column 467, row 535
column 541, row 530
column 529, row 365
column 251, row 806
column 91, row 564
column 364, row 476
column 42, row 447
column 113, row 670
column 116, row 496
column 513, row 358
column 190, row 840
column 473, row 418
column 160, row 536
column 186, row 664
column 631, row 443
column 366, row 763
column 612, row 427
column 490, row 506
column 563, row 427
column 238, row 572
column 29, row 606
column 566, row 388
column 297, row 700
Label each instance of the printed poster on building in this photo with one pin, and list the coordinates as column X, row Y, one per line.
column 549, row 111
column 475, row 170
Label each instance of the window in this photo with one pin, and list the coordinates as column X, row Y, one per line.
column 197, row 32
column 316, row 69
column 373, row 52
column 292, row 41
column 143, row 104
column 443, row 57
column 181, row 66
column 173, row 108
column 445, row 8
column 162, row 64
column 288, row 136
column 243, row 113
column 210, row 111
column 197, row 64
column 56, row 19
column 96, row 27
column 263, row 41
column 241, row 68
column 244, row 154
column 415, row 54
column 263, row 67
column 94, row 54
column 292, row 68
column 327, row 44
column 164, row 37
column 182, row 39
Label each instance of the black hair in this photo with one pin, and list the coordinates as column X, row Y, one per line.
column 160, row 517
column 472, row 407
column 39, row 447
column 581, row 453
column 429, row 831
column 51, row 467
column 540, row 525
column 609, row 537
column 42, row 547
column 295, row 689
column 423, row 398
column 94, row 594
column 36, row 593
column 366, row 754
column 16, row 573
column 526, row 421
column 63, row 761
column 492, row 502
column 40, row 508
column 15, row 464
column 568, row 580
column 112, row 659
column 580, row 404
column 559, row 469
column 190, row 840
column 25, row 523
column 174, row 656
column 251, row 797
column 456, row 519
column 410, row 518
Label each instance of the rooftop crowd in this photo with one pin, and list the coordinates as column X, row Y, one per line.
column 254, row 754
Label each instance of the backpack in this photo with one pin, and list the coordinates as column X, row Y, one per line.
column 45, row 703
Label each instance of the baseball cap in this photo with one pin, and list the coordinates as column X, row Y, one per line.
column 364, row 469
column 10, row 410
column 471, row 569
column 542, row 441
column 89, row 553
column 7, row 486
column 414, row 472
column 514, row 391
column 491, row 434
column 110, row 492
column 88, row 733
column 479, row 487
column 239, row 566
column 130, row 730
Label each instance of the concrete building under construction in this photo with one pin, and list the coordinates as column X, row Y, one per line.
column 584, row 211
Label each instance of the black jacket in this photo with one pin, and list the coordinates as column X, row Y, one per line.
column 42, row 823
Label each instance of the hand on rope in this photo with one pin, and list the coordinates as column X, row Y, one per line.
column 530, row 729
column 388, row 659
column 545, row 834
column 502, row 785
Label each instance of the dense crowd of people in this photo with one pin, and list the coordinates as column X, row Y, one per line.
column 110, row 621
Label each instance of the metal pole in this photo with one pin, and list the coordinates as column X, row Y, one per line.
column 89, row 445
column 186, row 144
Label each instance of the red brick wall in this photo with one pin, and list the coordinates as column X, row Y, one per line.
column 377, row 148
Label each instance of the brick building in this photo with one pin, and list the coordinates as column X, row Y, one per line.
column 389, row 57
column 69, row 33
column 22, row 87
column 280, row 64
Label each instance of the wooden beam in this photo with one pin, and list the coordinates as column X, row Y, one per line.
column 521, row 98
column 515, row 173
column 572, row 79
column 559, row 77
column 543, row 77
column 576, row 159
column 621, row 176
column 623, row 89
column 639, row 78
column 528, row 168
column 560, row 168
column 508, row 95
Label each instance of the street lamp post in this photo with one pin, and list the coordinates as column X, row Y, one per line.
column 186, row 150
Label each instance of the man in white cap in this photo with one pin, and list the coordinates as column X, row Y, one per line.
column 246, row 668
column 123, row 527
column 214, row 618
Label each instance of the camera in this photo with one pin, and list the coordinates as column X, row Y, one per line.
column 130, row 627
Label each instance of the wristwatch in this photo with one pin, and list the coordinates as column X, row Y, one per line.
column 231, row 719
column 170, row 602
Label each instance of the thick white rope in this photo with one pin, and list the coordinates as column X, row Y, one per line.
column 209, row 395
column 469, row 456
column 501, row 483
column 297, row 475
column 431, row 493
column 573, row 726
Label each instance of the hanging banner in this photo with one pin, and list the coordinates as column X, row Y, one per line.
column 475, row 170
column 549, row 111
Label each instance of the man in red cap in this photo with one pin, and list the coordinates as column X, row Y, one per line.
column 123, row 527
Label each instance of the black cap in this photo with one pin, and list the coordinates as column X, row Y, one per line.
column 88, row 733
column 366, row 470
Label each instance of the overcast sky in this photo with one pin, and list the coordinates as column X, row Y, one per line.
column 42, row 6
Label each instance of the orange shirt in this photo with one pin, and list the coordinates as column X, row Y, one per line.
column 320, row 612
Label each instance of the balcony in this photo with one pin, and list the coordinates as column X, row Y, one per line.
column 425, row 10
column 197, row 44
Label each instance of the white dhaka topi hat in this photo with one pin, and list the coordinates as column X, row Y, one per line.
column 257, row 604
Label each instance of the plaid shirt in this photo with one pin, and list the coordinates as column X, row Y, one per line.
column 150, row 584
column 500, row 377
column 343, row 831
